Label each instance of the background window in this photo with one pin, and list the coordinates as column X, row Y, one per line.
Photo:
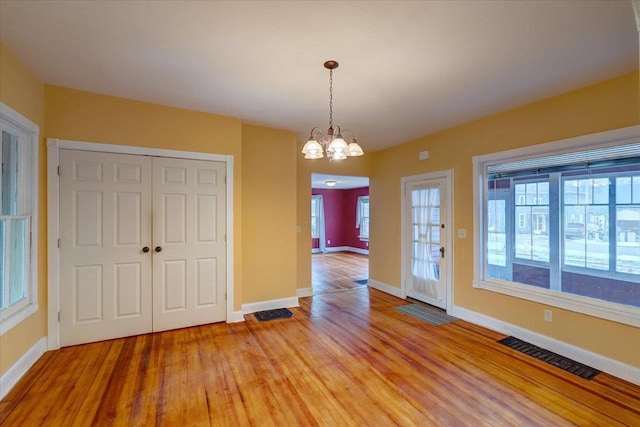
column 18, row 193
column 362, row 216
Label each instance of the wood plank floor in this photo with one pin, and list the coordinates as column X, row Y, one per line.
column 344, row 358
column 336, row 271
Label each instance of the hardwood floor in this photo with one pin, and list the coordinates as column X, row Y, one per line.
column 344, row 358
column 336, row 271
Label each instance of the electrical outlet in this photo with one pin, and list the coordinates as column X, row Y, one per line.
column 328, row 242
column 548, row 316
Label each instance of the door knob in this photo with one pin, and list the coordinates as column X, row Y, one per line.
column 442, row 251
column 145, row 249
column 158, row 249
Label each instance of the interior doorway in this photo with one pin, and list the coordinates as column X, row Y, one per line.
column 339, row 232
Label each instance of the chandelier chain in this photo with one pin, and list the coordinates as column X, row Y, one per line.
column 330, row 98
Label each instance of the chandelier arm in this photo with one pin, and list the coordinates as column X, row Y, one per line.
column 353, row 135
column 315, row 131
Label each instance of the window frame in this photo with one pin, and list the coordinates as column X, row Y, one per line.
column 315, row 213
column 28, row 133
column 360, row 218
column 603, row 309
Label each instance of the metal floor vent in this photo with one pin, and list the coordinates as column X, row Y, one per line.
column 564, row 363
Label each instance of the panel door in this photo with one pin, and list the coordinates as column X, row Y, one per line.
column 189, row 260
column 105, row 222
column 425, row 269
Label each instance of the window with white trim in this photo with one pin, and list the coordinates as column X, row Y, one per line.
column 18, row 218
column 562, row 226
column 362, row 217
column 315, row 217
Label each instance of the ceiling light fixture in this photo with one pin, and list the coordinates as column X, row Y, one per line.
column 332, row 142
column 331, row 183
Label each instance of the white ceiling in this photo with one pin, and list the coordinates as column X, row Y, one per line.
column 407, row 68
column 342, row 182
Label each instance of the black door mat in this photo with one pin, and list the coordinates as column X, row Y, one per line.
column 361, row 281
column 564, row 363
column 278, row 313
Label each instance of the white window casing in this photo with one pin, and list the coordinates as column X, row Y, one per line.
column 605, row 146
column 19, row 255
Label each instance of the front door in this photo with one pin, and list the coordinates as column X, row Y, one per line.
column 426, row 252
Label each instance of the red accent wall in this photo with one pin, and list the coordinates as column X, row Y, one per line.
column 340, row 217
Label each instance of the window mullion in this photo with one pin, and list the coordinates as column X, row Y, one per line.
column 555, row 215
column 613, row 221
column 7, row 264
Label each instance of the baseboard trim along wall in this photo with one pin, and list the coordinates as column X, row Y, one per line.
column 270, row 305
column 304, row 292
column 238, row 316
column 348, row 249
column 605, row 364
column 392, row 290
column 15, row 372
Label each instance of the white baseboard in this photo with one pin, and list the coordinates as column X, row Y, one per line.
column 270, row 305
column 603, row 363
column 304, row 292
column 357, row 250
column 15, row 372
column 392, row 290
column 238, row 316
column 348, row 249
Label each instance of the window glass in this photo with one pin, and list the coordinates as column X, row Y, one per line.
column 315, row 210
column 563, row 224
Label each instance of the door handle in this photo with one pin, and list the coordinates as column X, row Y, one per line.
column 145, row 249
column 158, row 249
column 442, row 251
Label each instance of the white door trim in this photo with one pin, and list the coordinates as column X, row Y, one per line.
column 54, row 146
column 447, row 175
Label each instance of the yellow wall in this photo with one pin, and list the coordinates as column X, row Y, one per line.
column 268, row 189
column 608, row 105
column 21, row 90
column 352, row 166
column 269, row 213
column 89, row 117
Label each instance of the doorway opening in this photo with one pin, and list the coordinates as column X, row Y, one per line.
column 339, row 232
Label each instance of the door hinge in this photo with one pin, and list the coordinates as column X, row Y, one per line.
column 225, row 296
column 58, row 316
column 58, row 243
column 58, row 170
column 225, row 179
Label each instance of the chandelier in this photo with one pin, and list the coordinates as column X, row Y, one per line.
column 332, row 141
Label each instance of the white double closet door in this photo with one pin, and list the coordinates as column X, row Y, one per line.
column 142, row 244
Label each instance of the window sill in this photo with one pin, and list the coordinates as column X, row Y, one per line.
column 363, row 238
column 17, row 317
column 606, row 310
